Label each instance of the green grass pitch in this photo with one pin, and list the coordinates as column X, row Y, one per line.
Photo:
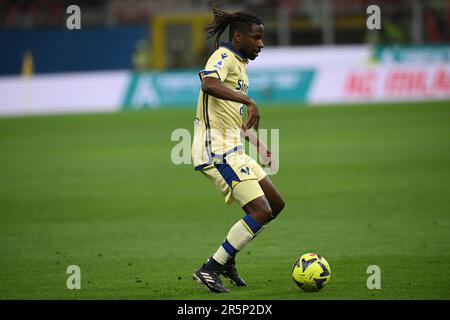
column 364, row 185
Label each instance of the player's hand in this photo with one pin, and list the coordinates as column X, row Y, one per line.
column 252, row 116
column 267, row 160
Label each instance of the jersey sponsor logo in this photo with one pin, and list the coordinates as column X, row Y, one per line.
column 241, row 86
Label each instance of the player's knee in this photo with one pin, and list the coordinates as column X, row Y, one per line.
column 259, row 209
column 267, row 212
column 276, row 209
column 262, row 214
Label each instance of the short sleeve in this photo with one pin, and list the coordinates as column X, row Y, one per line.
column 218, row 65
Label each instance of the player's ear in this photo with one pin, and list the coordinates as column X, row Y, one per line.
column 237, row 35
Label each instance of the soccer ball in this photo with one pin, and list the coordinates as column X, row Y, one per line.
column 311, row 272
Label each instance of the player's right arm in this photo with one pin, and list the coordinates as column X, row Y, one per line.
column 216, row 88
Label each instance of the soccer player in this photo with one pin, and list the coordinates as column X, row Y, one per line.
column 217, row 150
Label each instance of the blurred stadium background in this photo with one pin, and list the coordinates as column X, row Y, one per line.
column 144, row 54
column 365, row 176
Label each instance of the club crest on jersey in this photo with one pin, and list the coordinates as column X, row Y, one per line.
column 245, row 170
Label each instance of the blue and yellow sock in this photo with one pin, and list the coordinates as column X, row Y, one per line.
column 238, row 237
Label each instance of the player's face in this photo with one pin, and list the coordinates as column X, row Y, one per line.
column 252, row 42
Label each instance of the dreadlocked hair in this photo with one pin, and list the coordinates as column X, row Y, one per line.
column 238, row 21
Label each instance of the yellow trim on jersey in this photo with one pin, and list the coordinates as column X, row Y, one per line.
column 248, row 228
